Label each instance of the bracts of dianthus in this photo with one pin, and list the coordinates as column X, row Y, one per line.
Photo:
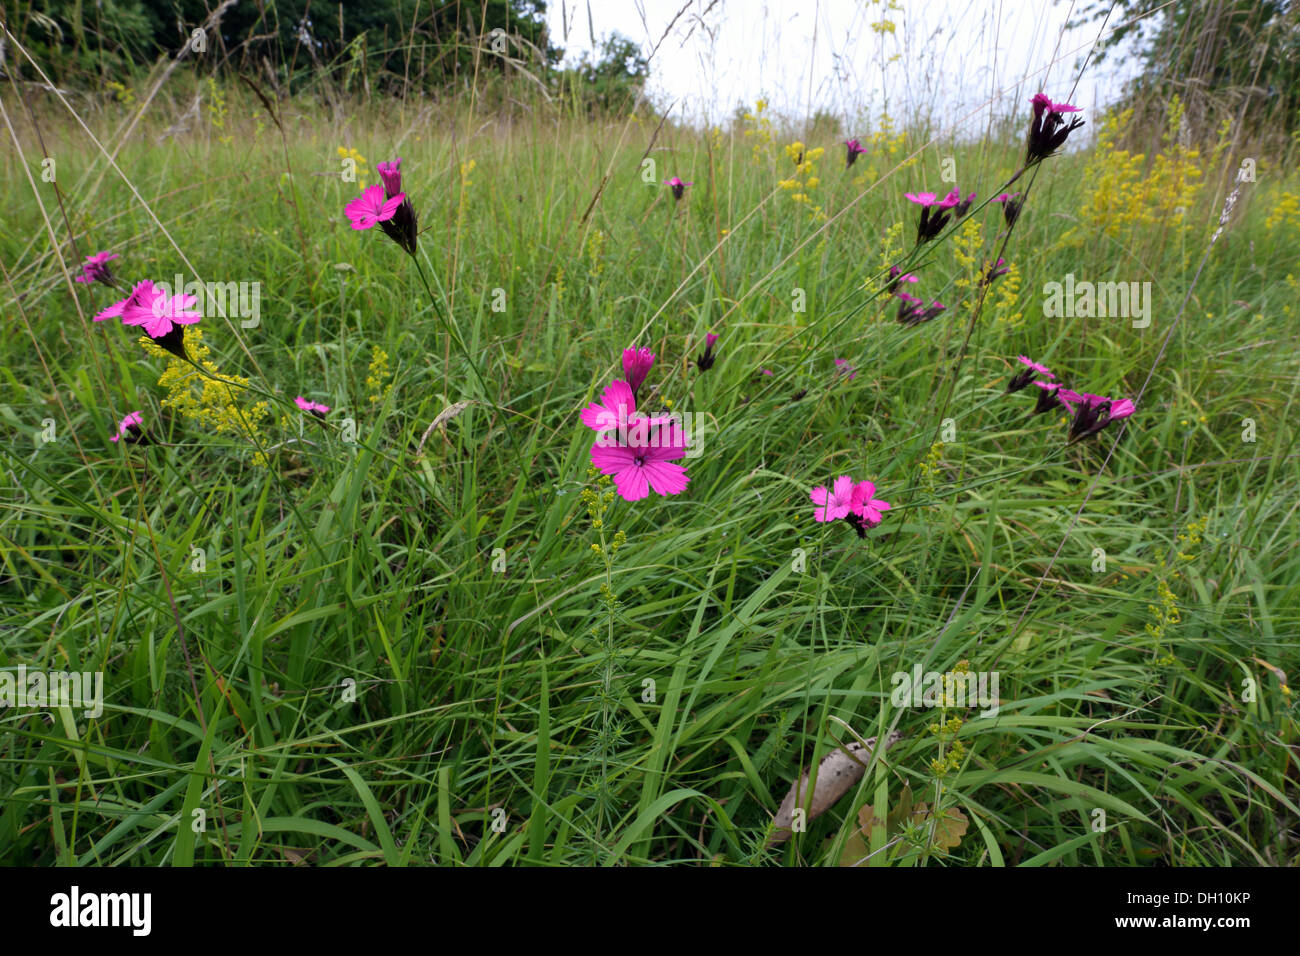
column 677, row 186
column 1011, row 207
column 934, row 213
column 1026, row 375
column 96, row 269
column 402, row 228
column 1048, row 129
column 1092, row 413
column 705, row 359
column 855, row 149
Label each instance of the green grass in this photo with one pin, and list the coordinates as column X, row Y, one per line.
column 526, row 690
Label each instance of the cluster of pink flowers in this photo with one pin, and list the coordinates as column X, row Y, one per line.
column 636, row 450
column 854, row 502
column 1091, row 413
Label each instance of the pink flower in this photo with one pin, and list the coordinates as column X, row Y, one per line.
column 371, row 207
column 678, row 187
column 931, row 225
column 1048, row 398
column 117, row 308
column 130, row 429
column 616, row 408
column 854, row 150
column 636, row 366
column 766, row 371
column 1093, row 412
column 843, row 365
column 962, row 206
column 704, row 361
column 95, row 269
column 836, row 503
column 869, row 509
column 1011, row 209
column 314, row 408
column 391, row 174
column 1048, row 129
column 1022, row 378
column 897, row 275
column 643, row 462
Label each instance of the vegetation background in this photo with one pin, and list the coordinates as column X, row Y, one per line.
column 422, row 646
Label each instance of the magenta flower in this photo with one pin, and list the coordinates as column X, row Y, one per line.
column 962, row 206
column 1026, row 375
column 705, row 360
column 130, row 430
column 1094, row 412
column 896, row 276
column 766, row 371
column 855, row 149
column 931, row 225
column 1048, row 129
column 636, row 366
column 678, row 187
column 1048, row 397
column 371, row 207
column 835, row 503
column 998, row 268
column 162, row 316
column 911, row 312
column 643, row 462
column 1011, row 208
column 866, row 511
column 95, row 269
column 315, row 408
column 401, row 227
column 617, row 407
column 843, row 366
column 391, row 174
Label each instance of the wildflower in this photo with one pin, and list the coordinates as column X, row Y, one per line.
column 835, row 503
column 931, row 225
column 767, row 371
column 705, row 360
column 998, row 268
column 897, row 275
column 678, row 187
column 1094, row 412
column 843, row 366
column 1048, row 129
column 1047, row 398
column 314, row 408
column 1011, row 207
column 371, row 207
column 913, row 313
column 162, row 316
column 130, row 430
column 642, row 462
column 855, row 149
column 1022, row 378
column 962, row 206
column 616, row 408
column 402, row 227
column 636, row 366
column 95, row 269
column 866, row 511
column 852, row 502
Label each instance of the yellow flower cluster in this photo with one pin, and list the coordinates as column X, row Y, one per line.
column 377, row 380
column 213, row 404
column 217, row 111
column 362, row 170
column 966, row 246
column 804, row 181
column 1283, row 210
column 1165, row 614
column 1191, row 537
column 1006, row 306
column 595, row 245
column 466, row 169
column 949, row 762
column 760, row 131
column 1129, row 192
column 931, row 468
column 885, row 144
column 123, row 94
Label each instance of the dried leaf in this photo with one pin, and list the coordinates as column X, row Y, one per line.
column 836, row 775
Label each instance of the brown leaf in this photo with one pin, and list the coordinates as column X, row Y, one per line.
column 836, row 775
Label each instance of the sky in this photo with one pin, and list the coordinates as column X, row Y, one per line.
column 953, row 58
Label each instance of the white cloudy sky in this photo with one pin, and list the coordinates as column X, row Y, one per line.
column 947, row 56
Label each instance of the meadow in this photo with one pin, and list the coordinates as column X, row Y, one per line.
column 420, row 628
